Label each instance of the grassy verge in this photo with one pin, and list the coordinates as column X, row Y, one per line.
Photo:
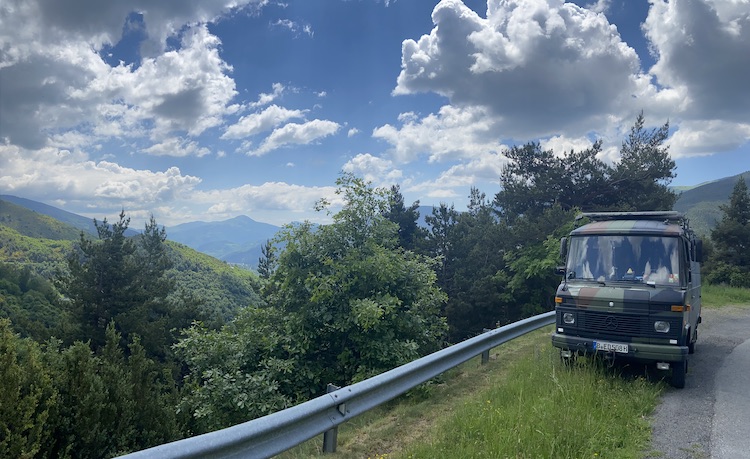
column 385, row 430
column 547, row 410
column 524, row 403
column 717, row 296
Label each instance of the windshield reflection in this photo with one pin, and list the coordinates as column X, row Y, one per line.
column 652, row 260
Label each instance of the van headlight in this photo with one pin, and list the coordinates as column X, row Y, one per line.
column 661, row 326
column 569, row 318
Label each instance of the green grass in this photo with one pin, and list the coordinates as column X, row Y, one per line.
column 523, row 404
column 547, row 410
column 717, row 296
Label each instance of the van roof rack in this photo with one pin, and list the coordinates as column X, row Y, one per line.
column 658, row 215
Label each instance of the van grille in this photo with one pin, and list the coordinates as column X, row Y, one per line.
column 616, row 324
column 626, row 325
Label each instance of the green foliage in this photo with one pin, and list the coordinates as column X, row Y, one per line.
column 640, row 179
column 719, row 296
column 44, row 257
column 496, row 261
column 344, row 303
column 30, row 302
column 361, row 304
column 531, row 264
column 33, row 224
column 107, row 404
column 243, row 371
column 409, row 233
column 125, row 280
column 218, row 290
column 26, row 396
column 268, row 261
column 730, row 262
column 470, row 247
column 536, row 180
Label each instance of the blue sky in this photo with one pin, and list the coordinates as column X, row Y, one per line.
column 209, row 109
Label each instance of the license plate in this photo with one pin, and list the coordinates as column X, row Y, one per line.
column 606, row 346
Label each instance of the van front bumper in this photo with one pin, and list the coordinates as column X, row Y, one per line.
column 636, row 351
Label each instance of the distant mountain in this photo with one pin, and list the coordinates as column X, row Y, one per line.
column 77, row 221
column 237, row 240
column 34, row 224
column 69, row 218
column 41, row 243
column 701, row 203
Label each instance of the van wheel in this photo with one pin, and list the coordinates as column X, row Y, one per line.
column 691, row 343
column 678, row 374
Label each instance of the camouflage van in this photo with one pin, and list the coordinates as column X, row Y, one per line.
column 631, row 288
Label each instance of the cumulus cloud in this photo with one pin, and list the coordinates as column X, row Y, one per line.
column 379, row 171
column 483, row 168
column 539, row 68
column 296, row 134
column 453, row 133
column 184, row 90
column 175, row 146
column 80, row 183
column 268, row 201
column 549, row 69
column 707, row 137
column 256, row 123
column 703, row 49
column 266, row 98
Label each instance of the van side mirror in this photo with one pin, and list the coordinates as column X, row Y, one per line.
column 563, row 248
column 699, row 250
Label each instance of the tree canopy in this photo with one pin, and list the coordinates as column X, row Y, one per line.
column 730, row 263
column 536, row 179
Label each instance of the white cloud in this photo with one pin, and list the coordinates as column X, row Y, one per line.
column 451, row 134
column 256, row 123
column 274, row 202
column 561, row 145
column 540, row 68
column 53, row 78
column 703, row 49
column 74, row 179
column 296, row 28
column 175, row 146
column 296, row 134
column 482, row 169
column 379, row 171
column 707, row 137
column 266, row 98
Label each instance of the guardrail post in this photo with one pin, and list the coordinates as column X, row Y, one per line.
column 486, row 354
column 330, row 437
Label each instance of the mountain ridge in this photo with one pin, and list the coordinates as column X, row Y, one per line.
column 238, row 240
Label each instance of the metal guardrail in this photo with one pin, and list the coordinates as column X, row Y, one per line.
column 272, row 434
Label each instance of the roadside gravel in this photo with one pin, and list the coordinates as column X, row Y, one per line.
column 709, row 418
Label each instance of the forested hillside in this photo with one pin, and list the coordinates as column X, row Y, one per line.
column 36, row 246
column 153, row 341
column 702, row 203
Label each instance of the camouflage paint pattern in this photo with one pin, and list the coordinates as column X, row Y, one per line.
column 625, row 312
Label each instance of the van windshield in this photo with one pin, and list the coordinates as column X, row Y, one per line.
column 603, row 258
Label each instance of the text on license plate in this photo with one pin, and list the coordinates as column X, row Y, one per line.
column 606, row 346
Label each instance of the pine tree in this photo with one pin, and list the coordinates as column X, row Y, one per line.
column 731, row 238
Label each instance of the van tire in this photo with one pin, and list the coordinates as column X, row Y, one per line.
column 678, row 374
column 691, row 342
